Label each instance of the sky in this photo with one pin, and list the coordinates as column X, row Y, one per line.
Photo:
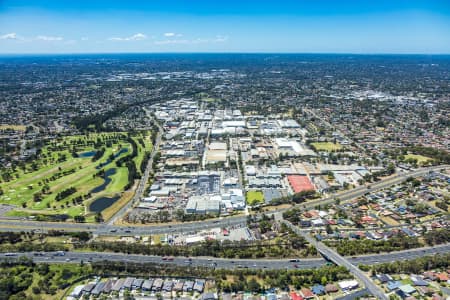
column 277, row 26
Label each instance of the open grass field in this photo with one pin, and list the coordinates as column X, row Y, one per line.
column 64, row 179
column 255, row 197
column 327, row 146
column 420, row 158
column 12, row 127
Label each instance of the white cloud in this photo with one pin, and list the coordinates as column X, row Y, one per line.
column 172, row 34
column 166, row 42
column 135, row 37
column 217, row 39
column 9, row 36
column 220, row 39
column 47, row 38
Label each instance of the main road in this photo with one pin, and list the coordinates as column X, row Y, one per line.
column 111, row 229
column 222, row 263
column 332, row 255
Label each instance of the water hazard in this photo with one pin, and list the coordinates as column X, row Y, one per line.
column 102, row 203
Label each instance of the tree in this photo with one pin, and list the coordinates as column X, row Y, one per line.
column 253, row 285
column 329, row 229
column 99, row 217
column 79, row 219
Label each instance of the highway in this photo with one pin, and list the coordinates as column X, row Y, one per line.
column 105, row 229
column 221, row 263
column 101, row 229
column 332, row 255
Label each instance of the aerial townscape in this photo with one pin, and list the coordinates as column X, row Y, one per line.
column 210, row 175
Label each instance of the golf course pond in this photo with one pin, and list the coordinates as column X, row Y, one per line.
column 87, row 154
column 102, row 203
column 105, row 183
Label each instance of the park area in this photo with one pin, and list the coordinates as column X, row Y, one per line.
column 416, row 157
column 326, row 146
column 255, row 197
column 76, row 177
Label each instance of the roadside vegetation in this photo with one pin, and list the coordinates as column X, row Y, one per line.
column 414, row 266
column 22, row 279
column 286, row 245
column 402, row 242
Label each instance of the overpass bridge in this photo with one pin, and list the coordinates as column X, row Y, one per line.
column 330, row 255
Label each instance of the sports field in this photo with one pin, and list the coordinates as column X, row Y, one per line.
column 71, row 172
column 254, row 197
column 326, row 146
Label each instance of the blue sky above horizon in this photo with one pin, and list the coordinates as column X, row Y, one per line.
column 321, row 26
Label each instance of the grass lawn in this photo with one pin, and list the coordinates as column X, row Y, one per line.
column 12, row 127
column 420, row 158
column 326, row 146
column 147, row 147
column 255, row 197
column 56, row 168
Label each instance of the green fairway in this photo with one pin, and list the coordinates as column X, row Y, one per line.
column 64, row 178
column 326, row 146
column 144, row 145
column 254, row 197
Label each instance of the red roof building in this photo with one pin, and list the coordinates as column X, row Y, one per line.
column 307, row 293
column 300, row 183
column 295, row 296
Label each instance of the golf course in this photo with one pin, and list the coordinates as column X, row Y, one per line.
column 72, row 173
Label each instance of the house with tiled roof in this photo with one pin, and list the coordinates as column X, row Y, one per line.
column 306, row 293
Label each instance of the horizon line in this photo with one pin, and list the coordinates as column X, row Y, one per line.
column 221, row 52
